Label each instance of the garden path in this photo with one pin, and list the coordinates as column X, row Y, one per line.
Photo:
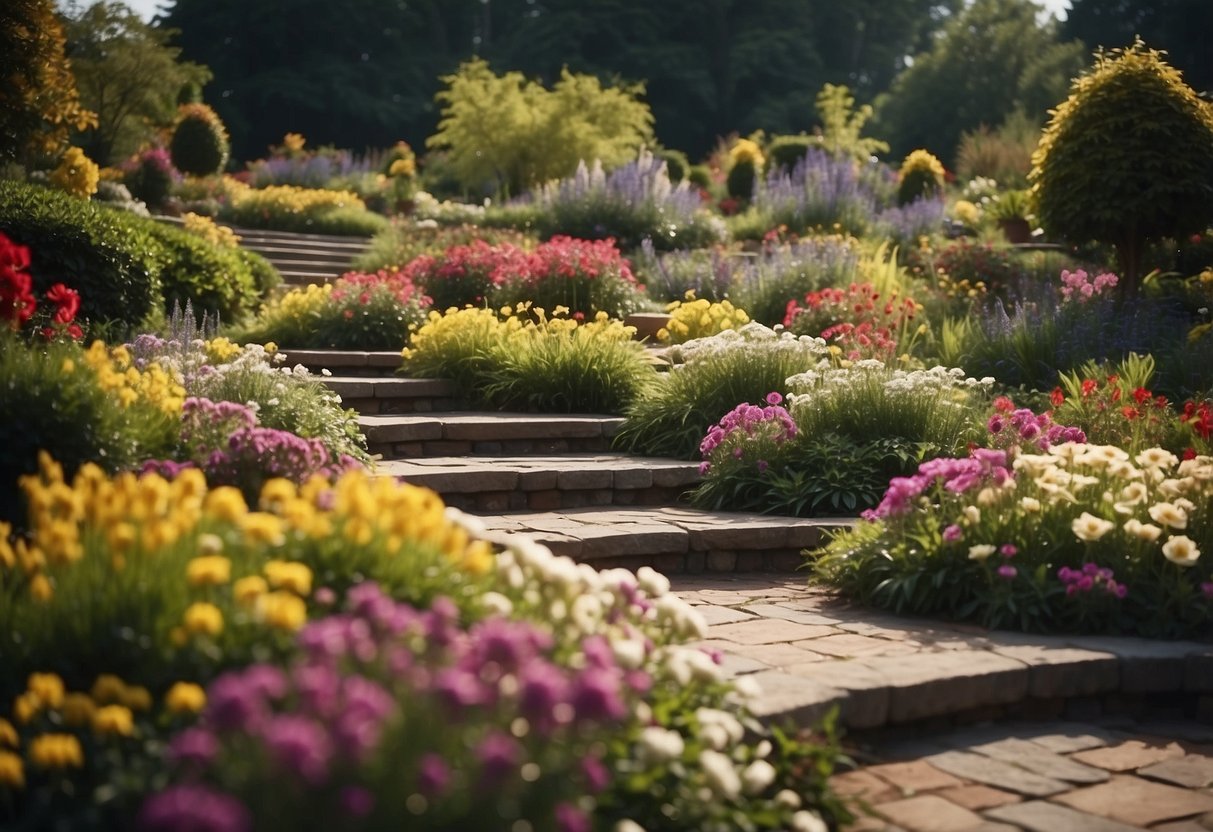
column 955, row 727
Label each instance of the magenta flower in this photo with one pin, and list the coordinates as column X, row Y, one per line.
column 1007, row 571
column 953, row 533
column 301, row 746
column 196, row 808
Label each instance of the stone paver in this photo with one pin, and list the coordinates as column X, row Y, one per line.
column 1040, row 816
column 1136, row 801
column 1192, row 771
column 915, row 776
column 996, row 773
column 1032, row 757
column 977, row 797
column 929, row 813
column 1129, row 755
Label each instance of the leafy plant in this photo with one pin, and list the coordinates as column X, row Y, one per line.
column 1146, row 184
column 199, row 146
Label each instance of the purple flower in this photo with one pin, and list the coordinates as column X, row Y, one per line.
column 233, row 705
column 194, row 808
column 433, row 775
column 595, row 695
column 774, row 398
column 571, row 819
column 1206, row 589
column 953, row 533
column 1007, row 571
column 357, row 801
column 194, row 747
column 499, row 755
column 300, row 745
column 596, row 775
column 542, row 686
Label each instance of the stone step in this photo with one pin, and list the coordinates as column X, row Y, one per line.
column 671, row 539
column 304, row 253
column 345, row 362
column 294, row 278
column 303, row 266
column 547, row 483
column 474, row 433
column 255, row 236
column 372, row 395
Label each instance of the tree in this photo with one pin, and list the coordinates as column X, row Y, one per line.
column 1180, row 27
column 513, row 133
column 39, row 103
column 992, row 59
column 1127, row 158
column 128, row 74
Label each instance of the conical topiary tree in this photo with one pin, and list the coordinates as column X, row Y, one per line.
column 1127, row 158
column 200, row 144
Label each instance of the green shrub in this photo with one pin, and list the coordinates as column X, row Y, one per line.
column 921, row 176
column 711, row 377
column 199, row 146
column 150, row 176
column 677, row 165
column 700, row 176
column 304, row 210
column 109, row 256
column 740, row 180
column 54, row 401
column 1127, row 158
column 216, row 280
column 1004, row 155
column 785, row 151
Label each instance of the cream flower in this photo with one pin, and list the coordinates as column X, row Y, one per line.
column 1169, row 514
column 981, row 551
column 1142, row 531
column 1031, row 505
column 1181, row 551
column 1156, row 458
column 972, row 514
column 1089, row 528
column 720, row 774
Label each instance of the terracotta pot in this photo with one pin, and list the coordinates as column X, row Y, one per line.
column 1016, row 230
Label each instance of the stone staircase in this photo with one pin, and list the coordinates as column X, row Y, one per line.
column 552, row 477
column 304, row 258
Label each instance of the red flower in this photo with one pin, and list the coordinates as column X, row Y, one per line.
column 17, row 302
column 1088, row 386
column 67, row 302
column 1057, row 397
column 1003, row 404
column 1141, row 395
column 1129, row 413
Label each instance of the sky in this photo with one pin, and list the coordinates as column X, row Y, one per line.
column 147, row 8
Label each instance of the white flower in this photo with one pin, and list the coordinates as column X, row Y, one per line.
column 972, row 514
column 652, row 582
column 586, row 612
column 757, row 776
column 806, row 821
column 1142, row 531
column 714, row 736
column 495, row 603
column 787, row 798
column 628, row 652
column 659, row 745
column 713, row 716
column 1169, row 514
column 1156, row 458
column 981, row 551
column 1031, row 505
column 747, row 687
column 1133, row 494
column 721, row 775
column 1181, row 551
column 209, row 544
column 624, row 825
column 1087, row 527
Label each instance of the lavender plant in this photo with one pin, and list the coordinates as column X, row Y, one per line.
column 823, row 192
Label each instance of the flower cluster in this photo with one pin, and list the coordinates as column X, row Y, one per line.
column 217, row 235
column 1114, row 406
column 749, row 428
column 856, row 319
column 1076, row 286
column 1011, row 427
column 466, row 274
column 751, row 340
column 118, row 375
column 76, row 174
column 699, row 318
column 984, row 468
column 1091, row 577
column 18, row 302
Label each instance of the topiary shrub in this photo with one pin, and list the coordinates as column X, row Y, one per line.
column 149, row 176
column 921, row 176
column 200, row 144
column 785, row 151
column 745, row 162
column 215, row 279
column 1127, row 158
column 700, row 176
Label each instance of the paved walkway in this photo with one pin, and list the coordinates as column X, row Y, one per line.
column 959, row 728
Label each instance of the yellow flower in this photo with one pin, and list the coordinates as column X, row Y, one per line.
column 40, row 588
column 77, row 174
column 1089, row 528
column 283, row 611
column 137, row 698
column 209, row 570
column 261, row 527
column 8, row 734
column 185, row 698
column 114, row 721
column 77, row 709
column 296, row 577
column 108, row 688
column 26, row 707
column 276, row 492
column 203, row 618
column 246, row 591
column 56, row 751
column 1181, row 551
column 12, row 770
column 48, row 688
column 225, row 503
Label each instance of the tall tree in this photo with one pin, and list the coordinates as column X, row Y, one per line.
column 995, row 57
column 39, row 103
column 127, row 74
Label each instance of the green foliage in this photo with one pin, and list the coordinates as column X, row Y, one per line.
column 304, row 210
column 677, row 165
column 1127, row 158
column 109, row 256
column 545, row 364
column 1004, row 155
column 740, row 180
column 511, row 133
column 842, row 125
column 700, row 176
column 52, row 401
column 785, row 151
column 39, row 102
column 716, row 374
column 216, row 280
column 128, row 74
column 199, row 146
column 993, row 58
